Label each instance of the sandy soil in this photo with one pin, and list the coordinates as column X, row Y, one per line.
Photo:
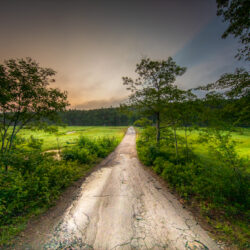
column 120, row 205
column 56, row 152
column 70, row 132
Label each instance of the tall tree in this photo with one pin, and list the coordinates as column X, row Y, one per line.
column 234, row 88
column 237, row 13
column 172, row 114
column 153, row 87
column 187, row 110
column 25, row 97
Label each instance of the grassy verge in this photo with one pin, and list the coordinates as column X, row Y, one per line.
column 213, row 179
column 36, row 179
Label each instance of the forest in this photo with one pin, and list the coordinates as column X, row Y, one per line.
column 98, row 117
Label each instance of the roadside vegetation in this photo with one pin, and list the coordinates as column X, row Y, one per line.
column 35, row 179
column 198, row 141
column 209, row 176
column 31, row 178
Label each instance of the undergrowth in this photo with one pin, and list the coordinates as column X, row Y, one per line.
column 219, row 187
column 35, row 179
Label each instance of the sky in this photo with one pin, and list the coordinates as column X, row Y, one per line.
column 92, row 44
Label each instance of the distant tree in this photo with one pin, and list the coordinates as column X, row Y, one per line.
column 152, row 89
column 237, row 13
column 26, row 98
column 98, row 117
column 143, row 122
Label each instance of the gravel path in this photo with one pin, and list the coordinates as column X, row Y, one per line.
column 121, row 206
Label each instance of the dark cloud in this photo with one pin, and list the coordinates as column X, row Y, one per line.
column 92, row 44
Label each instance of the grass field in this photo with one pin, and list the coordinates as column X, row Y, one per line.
column 242, row 139
column 67, row 136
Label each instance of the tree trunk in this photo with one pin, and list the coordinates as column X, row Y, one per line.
column 3, row 141
column 12, row 137
column 186, row 143
column 158, row 132
column 3, row 136
column 176, row 145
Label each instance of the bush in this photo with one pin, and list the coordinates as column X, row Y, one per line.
column 224, row 184
column 82, row 155
column 147, row 154
column 22, row 190
column 106, row 145
column 87, row 151
column 159, row 165
column 88, row 144
column 35, row 179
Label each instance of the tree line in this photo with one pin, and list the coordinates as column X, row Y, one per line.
column 98, row 117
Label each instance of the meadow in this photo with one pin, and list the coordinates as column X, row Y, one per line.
column 67, row 136
column 241, row 137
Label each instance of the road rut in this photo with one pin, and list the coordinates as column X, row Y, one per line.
column 122, row 206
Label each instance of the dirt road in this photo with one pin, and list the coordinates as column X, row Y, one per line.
column 121, row 206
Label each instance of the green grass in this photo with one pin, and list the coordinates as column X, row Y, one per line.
column 64, row 137
column 241, row 137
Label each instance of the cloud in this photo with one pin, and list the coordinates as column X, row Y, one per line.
column 210, row 70
column 104, row 103
column 207, row 56
column 92, row 44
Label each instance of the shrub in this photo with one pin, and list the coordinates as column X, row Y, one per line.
column 35, row 143
column 159, row 165
column 106, row 145
column 82, row 155
column 86, row 143
column 35, row 179
column 223, row 182
column 87, row 151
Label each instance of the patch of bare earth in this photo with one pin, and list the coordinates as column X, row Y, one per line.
column 70, row 132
